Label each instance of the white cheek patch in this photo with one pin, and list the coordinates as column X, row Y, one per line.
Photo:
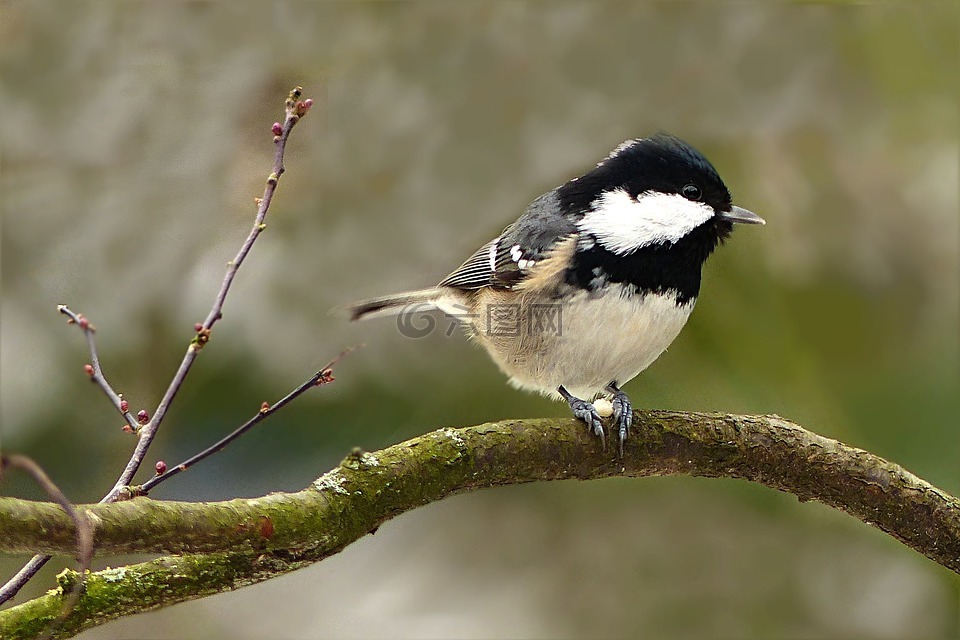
column 623, row 224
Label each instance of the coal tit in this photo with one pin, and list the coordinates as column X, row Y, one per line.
column 596, row 278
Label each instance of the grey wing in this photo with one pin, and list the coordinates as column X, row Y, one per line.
column 506, row 260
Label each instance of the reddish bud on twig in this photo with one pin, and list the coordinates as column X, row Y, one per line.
column 264, row 407
column 127, row 428
column 82, row 321
column 124, row 406
column 198, row 327
column 277, row 128
column 304, row 106
column 326, row 377
column 88, row 369
column 143, row 417
column 161, row 467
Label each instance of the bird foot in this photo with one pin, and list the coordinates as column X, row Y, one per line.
column 622, row 413
column 583, row 410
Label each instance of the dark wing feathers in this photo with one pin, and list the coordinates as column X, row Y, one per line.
column 505, row 261
column 475, row 273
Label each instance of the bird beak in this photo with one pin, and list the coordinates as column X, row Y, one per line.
column 739, row 214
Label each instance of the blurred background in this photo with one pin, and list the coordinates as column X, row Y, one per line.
column 135, row 136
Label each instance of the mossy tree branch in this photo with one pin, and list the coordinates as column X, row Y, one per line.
column 232, row 544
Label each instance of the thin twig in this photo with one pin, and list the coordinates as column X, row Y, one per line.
column 295, row 109
column 95, row 372
column 83, row 526
column 321, row 377
column 22, row 577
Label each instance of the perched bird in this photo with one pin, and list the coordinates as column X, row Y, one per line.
column 596, row 278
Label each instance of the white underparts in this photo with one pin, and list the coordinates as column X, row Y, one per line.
column 623, row 224
column 591, row 341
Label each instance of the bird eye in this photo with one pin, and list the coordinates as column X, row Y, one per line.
column 691, row 192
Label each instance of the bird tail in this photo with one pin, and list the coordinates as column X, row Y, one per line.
column 392, row 305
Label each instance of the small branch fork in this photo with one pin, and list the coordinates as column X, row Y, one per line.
column 321, row 377
column 144, row 425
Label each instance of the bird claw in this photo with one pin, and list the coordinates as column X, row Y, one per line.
column 585, row 411
column 622, row 414
column 588, row 413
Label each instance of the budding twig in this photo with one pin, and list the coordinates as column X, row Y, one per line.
column 321, row 377
column 295, row 109
column 93, row 369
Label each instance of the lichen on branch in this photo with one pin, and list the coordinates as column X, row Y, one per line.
column 239, row 542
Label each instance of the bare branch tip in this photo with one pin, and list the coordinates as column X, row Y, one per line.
column 65, row 310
